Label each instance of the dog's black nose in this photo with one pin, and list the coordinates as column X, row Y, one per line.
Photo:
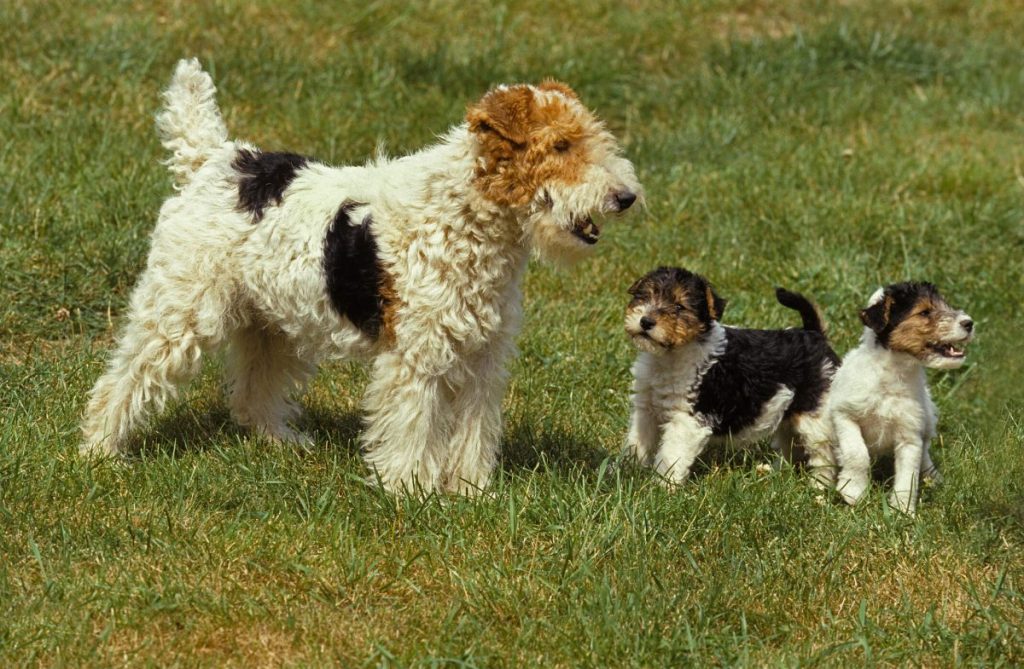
column 967, row 324
column 646, row 323
column 625, row 200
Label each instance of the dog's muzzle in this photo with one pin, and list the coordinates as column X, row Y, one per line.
column 624, row 200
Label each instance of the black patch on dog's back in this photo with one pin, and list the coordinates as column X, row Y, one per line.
column 264, row 177
column 354, row 274
column 755, row 363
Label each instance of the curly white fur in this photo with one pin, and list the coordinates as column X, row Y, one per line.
column 190, row 126
column 455, row 257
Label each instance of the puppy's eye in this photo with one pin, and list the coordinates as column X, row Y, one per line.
column 562, row 145
column 925, row 313
column 679, row 308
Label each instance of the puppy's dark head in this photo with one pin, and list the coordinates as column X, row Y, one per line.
column 671, row 307
column 914, row 318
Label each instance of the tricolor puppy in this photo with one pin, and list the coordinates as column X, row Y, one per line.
column 880, row 402
column 697, row 380
column 415, row 262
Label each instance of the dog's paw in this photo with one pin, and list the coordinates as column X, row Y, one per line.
column 285, row 435
column 903, row 504
column 851, row 490
column 931, row 477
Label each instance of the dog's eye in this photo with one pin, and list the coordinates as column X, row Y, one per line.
column 680, row 308
column 562, row 145
column 926, row 313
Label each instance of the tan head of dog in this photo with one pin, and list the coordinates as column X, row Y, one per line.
column 548, row 159
column 915, row 319
column 671, row 307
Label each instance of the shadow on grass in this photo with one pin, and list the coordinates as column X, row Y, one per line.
column 185, row 430
column 532, row 447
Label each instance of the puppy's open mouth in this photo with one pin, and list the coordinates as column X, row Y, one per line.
column 586, row 230
column 952, row 350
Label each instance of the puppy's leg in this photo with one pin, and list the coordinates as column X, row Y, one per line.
column 783, row 443
column 263, row 373
column 476, row 433
column 158, row 351
column 908, row 460
column 683, row 439
column 929, row 472
column 642, row 439
column 853, row 458
column 815, row 437
column 408, row 413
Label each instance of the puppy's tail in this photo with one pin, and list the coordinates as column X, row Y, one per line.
column 190, row 125
column 808, row 312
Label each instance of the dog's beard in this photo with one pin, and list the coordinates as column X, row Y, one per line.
column 562, row 242
column 646, row 344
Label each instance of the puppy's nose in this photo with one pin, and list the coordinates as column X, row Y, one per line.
column 967, row 324
column 625, row 199
column 646, row 323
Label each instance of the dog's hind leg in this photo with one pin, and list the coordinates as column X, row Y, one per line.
column 929, row 472
column 783, row 442
column 408, row 423
column 172, row 321
column 814, row 435
column 263, row 374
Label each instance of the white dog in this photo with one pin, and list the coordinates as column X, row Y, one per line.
column 880, row 403
column 415, row 261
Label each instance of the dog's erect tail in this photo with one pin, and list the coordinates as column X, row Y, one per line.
column 808, row 312
column 190, row 124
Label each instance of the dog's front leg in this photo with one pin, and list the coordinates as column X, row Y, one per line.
column 642, row 439
column 407, row 424
column 854, row 459
column 908, row 472
column 476, row 433
column 683, row 439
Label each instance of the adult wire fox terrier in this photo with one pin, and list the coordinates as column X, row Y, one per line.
column 416, row 261
column 696, row 380
column 880, row 402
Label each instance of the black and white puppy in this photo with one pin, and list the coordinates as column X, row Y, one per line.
column 696, row 380
column 880, row 402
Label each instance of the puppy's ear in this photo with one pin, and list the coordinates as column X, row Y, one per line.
column 504, row 112
column 635, row 288
column 716, row 305
column 878, row 314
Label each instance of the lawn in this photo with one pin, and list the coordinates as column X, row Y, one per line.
column 827, row 147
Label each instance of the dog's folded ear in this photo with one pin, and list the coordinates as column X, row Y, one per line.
column 877, row 315
column 555, row 85
column 635, row 288
column 716, row 304
column 506, row 112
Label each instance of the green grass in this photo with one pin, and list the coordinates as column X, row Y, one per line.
column 826, row 148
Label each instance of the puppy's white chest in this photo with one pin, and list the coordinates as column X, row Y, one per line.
column 891, row 420
column 671, row 383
